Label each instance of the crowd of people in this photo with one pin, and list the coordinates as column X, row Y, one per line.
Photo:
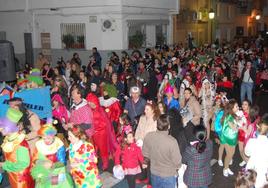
column 148, row 116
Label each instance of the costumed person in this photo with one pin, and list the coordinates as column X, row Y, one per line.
column 34, row 79
column 218, row 111
column 207, row 95
column 256, row 150
column 229, row 134
column 242, row 131
column 163, row 85
column 16, row 151
column 185, row 84
column 83, row 160
column 111, row 104
column 130, row 155
column 104, row 138
column 252, row 126
column 123, row 121
column 169, row 100
column 61, row 116
column 49, row 169
column 81, row 113
column 59, row 110
column 22, row 84
column 29, row 123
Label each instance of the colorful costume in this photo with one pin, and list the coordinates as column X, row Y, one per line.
column 228, row 135
column 173, row 103
column 54, row 175
column 16, row 151
column 104, row 137
column 86, row 174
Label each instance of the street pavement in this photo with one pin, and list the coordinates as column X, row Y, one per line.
column 218, row 181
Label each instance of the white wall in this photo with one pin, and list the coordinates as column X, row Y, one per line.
column 15, row 25
column 104, row 40
column 42, row 4
column 20, row 16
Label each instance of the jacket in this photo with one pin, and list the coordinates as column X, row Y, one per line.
column 144, row 127
column 163, row 152
column 195, row 108
column 198, row 172
column 252, row 74
column 131, row 156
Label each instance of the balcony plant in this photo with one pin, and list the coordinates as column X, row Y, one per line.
column 68, row 40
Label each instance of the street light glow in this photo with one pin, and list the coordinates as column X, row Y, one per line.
column 258, row 17
column 211, row 14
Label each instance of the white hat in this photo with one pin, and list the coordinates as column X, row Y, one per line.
column 135, row 89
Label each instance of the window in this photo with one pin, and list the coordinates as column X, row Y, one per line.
column 136, row 36
column 218, row 10
column 229, row 12
column 73, row 35
column 161, row 34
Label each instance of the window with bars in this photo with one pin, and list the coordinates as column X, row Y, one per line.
column 73, row 35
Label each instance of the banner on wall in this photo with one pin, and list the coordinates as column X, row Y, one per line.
column 37, row 100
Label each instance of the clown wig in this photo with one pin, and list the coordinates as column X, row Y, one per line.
column 47, row 130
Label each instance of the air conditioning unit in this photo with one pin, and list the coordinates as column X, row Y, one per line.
column 108, row 25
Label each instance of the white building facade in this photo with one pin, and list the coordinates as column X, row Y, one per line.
column 54, row 17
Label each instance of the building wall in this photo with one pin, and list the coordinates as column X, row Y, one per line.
column 38, row 16
column 225, row 26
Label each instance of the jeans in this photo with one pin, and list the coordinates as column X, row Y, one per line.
column 246, row 89
column 163, row 182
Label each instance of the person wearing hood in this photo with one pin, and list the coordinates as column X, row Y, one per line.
column 16, row 151
column 104, row 138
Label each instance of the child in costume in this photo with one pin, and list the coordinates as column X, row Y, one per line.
column 83, row 160
column 50, row 160
column 131, row 157
column 16, row 151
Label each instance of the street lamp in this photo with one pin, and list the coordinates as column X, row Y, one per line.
column 211, row 16
column 258, row 17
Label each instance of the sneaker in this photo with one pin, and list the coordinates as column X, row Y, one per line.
column 243, row 163
column 230, row 172
column 220, row 163
column 231, row 162
column 225, row 173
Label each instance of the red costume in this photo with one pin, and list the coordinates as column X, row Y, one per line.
column 103, row 137
column 112, row 108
